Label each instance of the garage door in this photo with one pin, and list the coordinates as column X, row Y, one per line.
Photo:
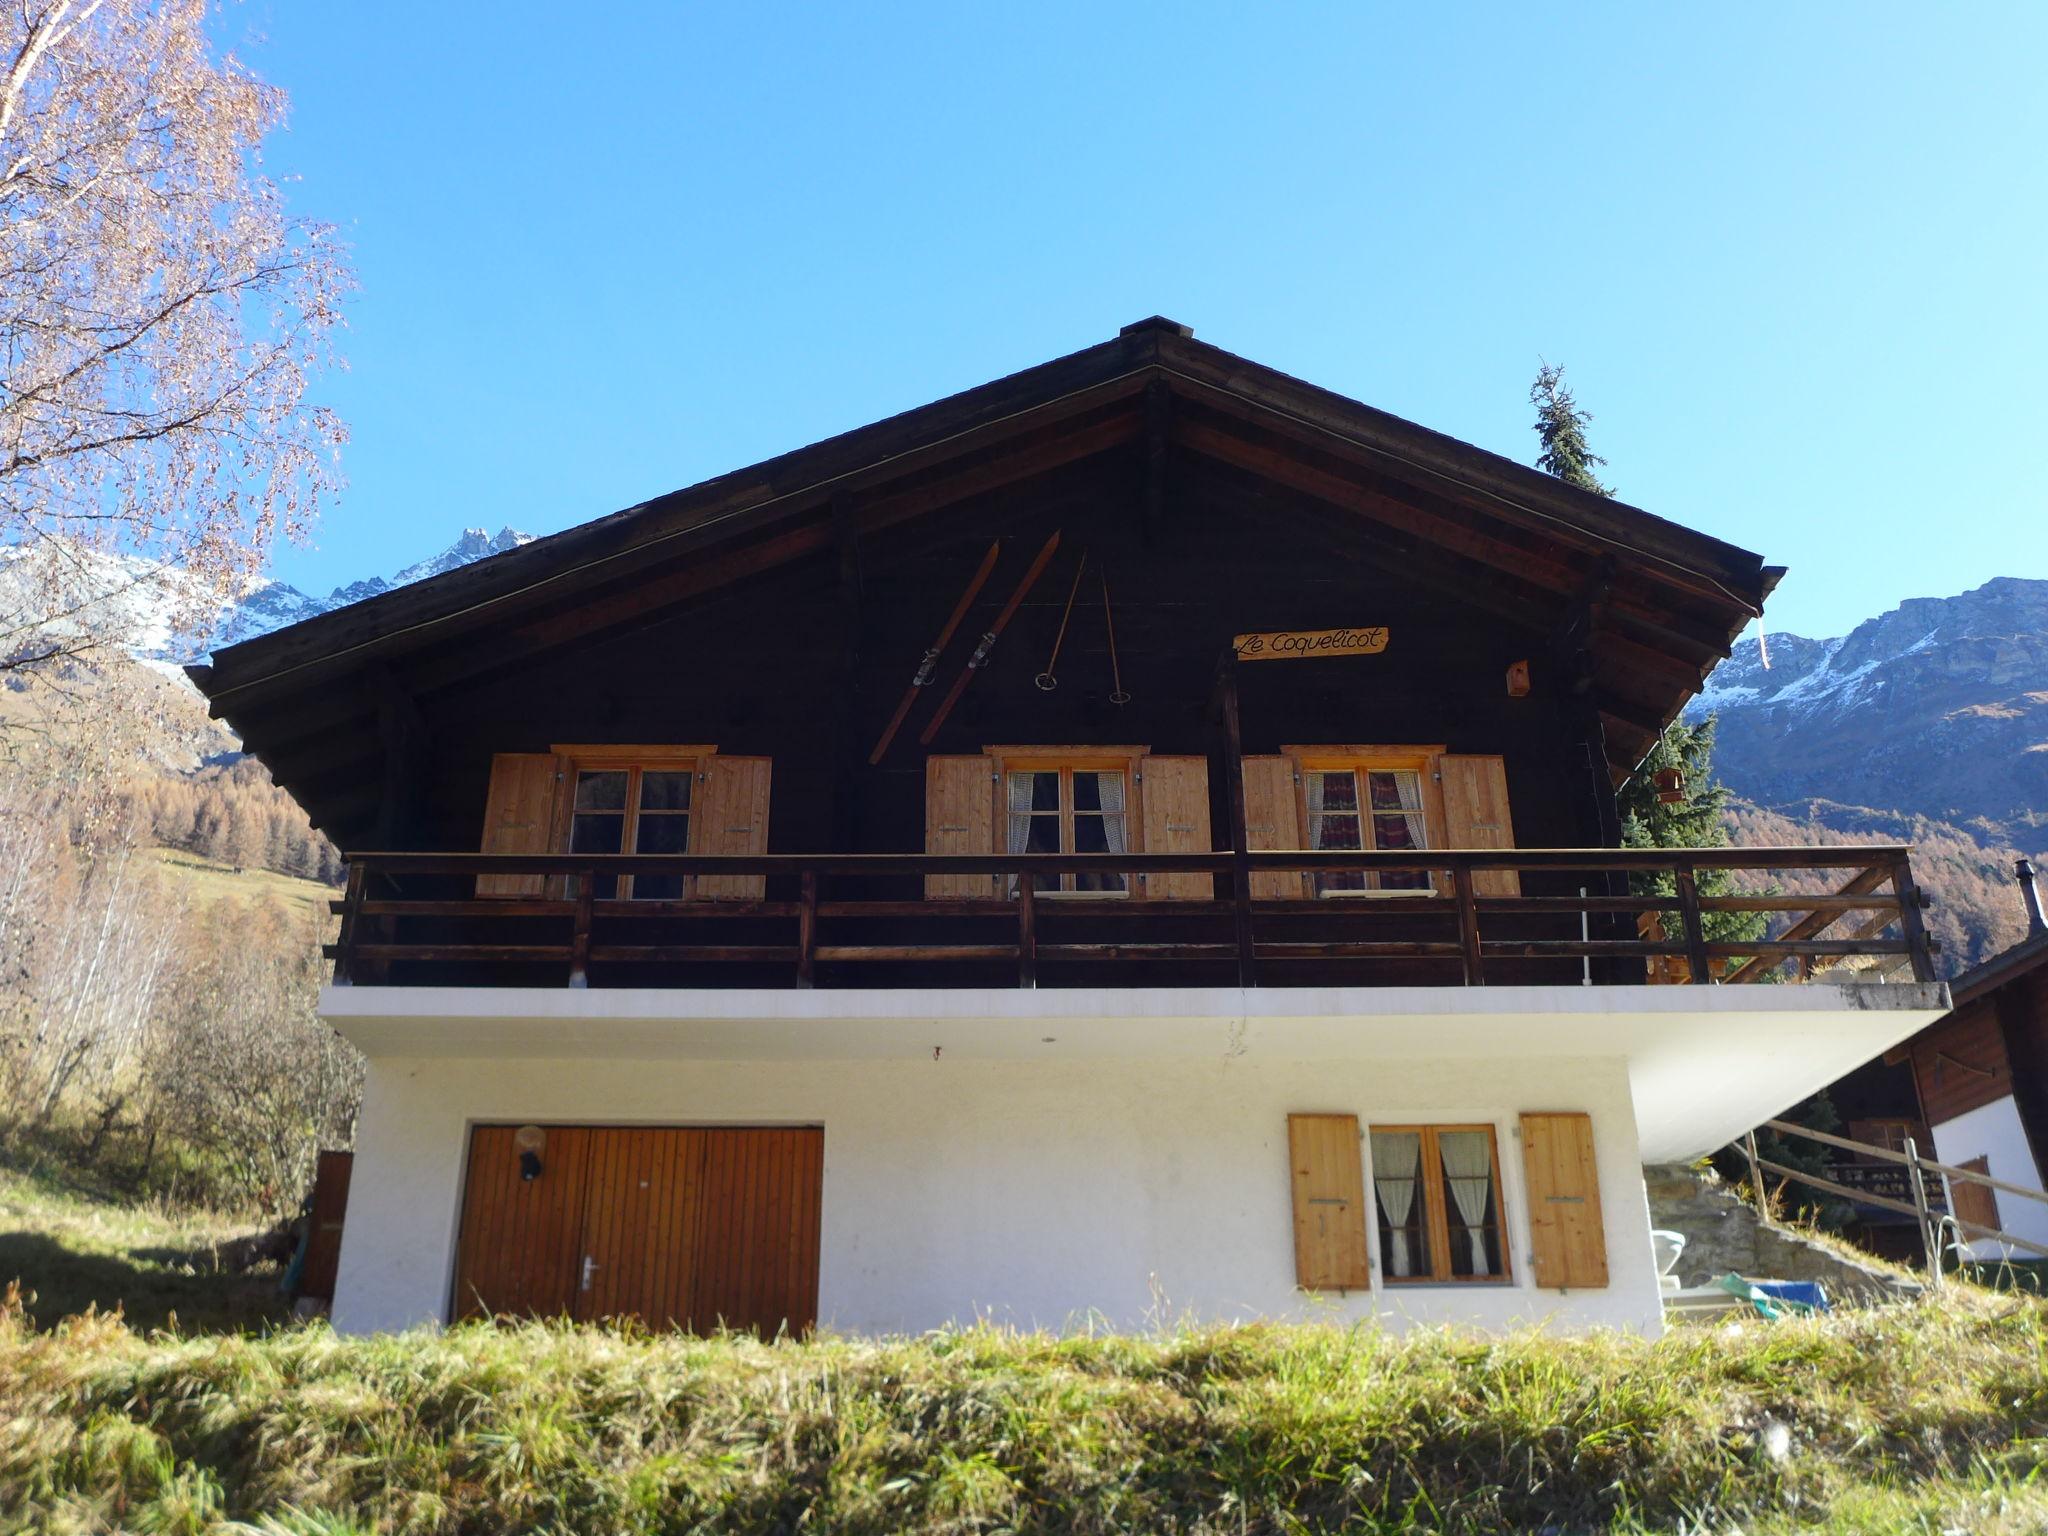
column 687, row 1226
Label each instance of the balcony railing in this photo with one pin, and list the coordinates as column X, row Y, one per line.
column 857, row 919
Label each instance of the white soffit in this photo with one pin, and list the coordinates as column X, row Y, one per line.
column 1706, row 1063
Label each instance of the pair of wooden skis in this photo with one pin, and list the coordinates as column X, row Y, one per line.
column 929, row 666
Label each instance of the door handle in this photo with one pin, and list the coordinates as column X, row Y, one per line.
column 590, row 1267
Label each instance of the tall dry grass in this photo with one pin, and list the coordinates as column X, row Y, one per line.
column 1923, row 1416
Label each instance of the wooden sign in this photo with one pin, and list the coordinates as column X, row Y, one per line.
column 1294, row 644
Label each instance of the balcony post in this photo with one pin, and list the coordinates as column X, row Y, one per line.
column 579, row 937
column 344, row 941
column 1468, row 927
column 1027, row 930
column 1240, row 873
column 1911, row 926
column 1695, row 932
column 807, row 931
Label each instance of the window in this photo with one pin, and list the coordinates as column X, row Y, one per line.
column 1060, row 807
column 1436, row 1196
column 632, row 807
column 1369, row 803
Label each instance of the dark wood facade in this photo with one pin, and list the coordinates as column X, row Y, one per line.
column 777, row 614
column 1993, row 1045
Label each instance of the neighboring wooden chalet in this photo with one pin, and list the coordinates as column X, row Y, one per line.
column 1140, row 832
column 1981, row 1074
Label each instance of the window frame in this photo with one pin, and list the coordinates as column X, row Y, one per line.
column 1361, row 759
column 634, row 761
column 1435, row 1199
column 1067, row 761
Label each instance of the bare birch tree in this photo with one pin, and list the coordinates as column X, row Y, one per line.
column 162, row 315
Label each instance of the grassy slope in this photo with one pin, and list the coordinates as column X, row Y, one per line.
column 71, row 1247
column 1924, row 1417
column 208, row 880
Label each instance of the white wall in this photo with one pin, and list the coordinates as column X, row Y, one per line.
column 1994, row 1131
column 1035, row 1193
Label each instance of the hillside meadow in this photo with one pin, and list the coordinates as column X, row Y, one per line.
column 1924, row 1417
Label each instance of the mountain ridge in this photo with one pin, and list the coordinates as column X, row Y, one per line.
column 60, row 591
column 1938, row 707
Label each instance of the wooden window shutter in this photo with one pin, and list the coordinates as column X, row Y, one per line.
column 732, row 818
column 1476, row 815
column 1270, row 821
column 1329, row 1203
column 1175, row 794
column 959, row 817
column 519, row 817
column 1567, row 1236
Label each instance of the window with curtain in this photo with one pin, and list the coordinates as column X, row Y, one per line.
column 1436, row 1198
column 632, row 808
column 1354, row 808
column 1056, row 808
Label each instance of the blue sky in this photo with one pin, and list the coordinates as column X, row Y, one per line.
column 1792, row 257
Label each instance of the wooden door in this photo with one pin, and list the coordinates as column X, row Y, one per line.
column 757, row 1233
column 679, row 1226
column 520, row 1237
column 640, row 1225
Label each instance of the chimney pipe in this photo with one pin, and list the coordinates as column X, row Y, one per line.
column 2037, row 924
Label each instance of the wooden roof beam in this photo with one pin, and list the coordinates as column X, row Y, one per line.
column 1501, row 487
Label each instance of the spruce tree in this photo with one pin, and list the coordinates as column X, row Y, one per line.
column 1561, row 427
column 1693, row 821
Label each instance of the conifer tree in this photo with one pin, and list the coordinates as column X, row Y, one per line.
column 1561, row 427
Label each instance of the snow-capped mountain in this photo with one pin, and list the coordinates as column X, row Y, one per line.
column 1939, row 708
column 54, row 590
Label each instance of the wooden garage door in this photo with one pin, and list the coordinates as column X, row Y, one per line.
column 681, row 1226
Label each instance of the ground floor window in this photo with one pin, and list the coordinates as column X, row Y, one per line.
column 1436, row 1192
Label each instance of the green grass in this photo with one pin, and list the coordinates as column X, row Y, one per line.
column 209, row 880
column 1928, row 1416
column 72, row 1245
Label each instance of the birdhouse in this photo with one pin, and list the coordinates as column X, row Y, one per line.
column 1670, row 786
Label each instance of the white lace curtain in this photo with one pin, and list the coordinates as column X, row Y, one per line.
column 1396, row 1156
column 1312, row 790
column 1020, row 811
column 1110, row 786
column 1468, row 1170
column 1409, row 786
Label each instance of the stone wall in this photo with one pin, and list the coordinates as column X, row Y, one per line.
column 1723, row 1233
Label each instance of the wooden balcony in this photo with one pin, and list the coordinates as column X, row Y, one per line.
column 1605, row 916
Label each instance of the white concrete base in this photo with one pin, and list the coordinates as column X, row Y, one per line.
column 1705, row 1064
column 1054, row 1192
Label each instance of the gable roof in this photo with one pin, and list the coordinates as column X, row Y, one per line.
column 2029, row 955
column 1647, row 605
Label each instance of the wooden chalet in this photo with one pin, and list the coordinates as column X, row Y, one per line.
column 1143, row 822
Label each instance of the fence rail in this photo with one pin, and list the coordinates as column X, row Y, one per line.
column 1933, row 1223
column 406, row 913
